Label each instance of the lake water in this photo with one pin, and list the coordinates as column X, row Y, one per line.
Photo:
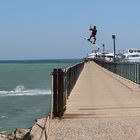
column 25, row 91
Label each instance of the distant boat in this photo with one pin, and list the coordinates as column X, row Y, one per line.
column 107, row 56
column 132, row 56
column 92, row 55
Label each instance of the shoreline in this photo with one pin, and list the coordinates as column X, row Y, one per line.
column 39, row 130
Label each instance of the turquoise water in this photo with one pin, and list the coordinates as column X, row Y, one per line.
column 25, row 91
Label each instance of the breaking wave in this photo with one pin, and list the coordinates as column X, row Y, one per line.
column 20, row 90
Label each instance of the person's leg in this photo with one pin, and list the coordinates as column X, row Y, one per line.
column 94, row 39
column 90, row 38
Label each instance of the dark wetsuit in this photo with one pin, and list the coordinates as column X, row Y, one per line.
column 93, row 34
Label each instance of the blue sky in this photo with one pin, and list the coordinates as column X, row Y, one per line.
column 55, row 29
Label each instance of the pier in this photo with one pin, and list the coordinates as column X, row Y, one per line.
column 100, row 103
column 99, row 93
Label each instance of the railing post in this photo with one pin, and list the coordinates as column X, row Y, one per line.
column 55, row 93
column 60, row 92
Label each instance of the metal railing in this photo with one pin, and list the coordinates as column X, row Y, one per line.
column 129, row 71
column 63, row 83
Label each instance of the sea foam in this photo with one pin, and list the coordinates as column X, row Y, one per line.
column 20, row 90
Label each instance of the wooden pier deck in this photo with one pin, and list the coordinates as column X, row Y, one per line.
column 102, row 105
column 99, row 93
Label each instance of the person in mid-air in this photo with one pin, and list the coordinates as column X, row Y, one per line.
column 93, row 34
